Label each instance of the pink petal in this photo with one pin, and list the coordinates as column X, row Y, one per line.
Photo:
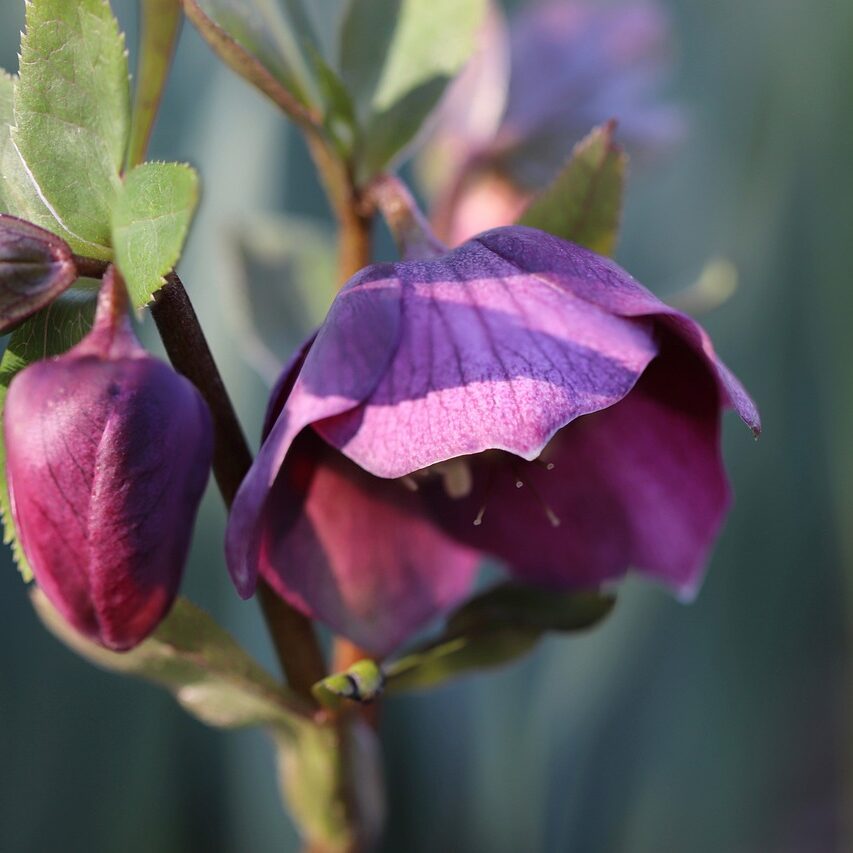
column 357, row 552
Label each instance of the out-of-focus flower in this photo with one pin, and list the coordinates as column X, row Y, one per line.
column 108, row 453
column 519, row 397
column 535, row 89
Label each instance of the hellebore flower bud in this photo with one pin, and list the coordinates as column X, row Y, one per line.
column 35, row 267
column 108, row 454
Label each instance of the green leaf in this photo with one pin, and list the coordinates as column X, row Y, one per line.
column 281, row 288
column 493, row 629
column 160, row 25
column 7, row 117
column 52, row 331
column 199, row 662
column 397, row 58
column 72, row 114
column 152, row 215
column 261, row 38
column 584, row 202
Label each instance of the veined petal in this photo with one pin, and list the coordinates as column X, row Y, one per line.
column 603, row 283
column 489, row 357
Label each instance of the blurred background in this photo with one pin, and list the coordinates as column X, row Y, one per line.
column 720, row 726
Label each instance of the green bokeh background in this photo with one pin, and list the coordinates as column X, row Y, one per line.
column 722, row 726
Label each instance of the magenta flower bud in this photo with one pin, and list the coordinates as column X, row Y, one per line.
column 35, row 267
column 518, row 397
column 108, row 453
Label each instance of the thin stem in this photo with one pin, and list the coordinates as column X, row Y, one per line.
column 90, row 267
column 292, row 633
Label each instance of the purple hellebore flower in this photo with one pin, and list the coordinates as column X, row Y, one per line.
column 519, row 397
column 108, row 453
column 532, row 91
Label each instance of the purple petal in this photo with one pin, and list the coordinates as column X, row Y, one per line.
column 348, row 358
column 357, row 552
column 639, row 484
column 488, row 357
column 604, row 283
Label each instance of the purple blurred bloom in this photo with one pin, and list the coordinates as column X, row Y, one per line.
column 108, row 453
column 532, row 91
column 520, row 395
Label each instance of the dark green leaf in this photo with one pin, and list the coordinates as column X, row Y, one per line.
column 584, row 202
column 520, row 606
column 199, row 662
column 493, row 629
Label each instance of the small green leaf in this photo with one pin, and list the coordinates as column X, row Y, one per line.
column 494, row 628
column 199, row 662
column 584, row 202
column 454, row 658
column 517, row 605
column 52, row 331
column 160, row 25
column 715, row 286
column 72, row 114
column 263, row 39
column 281, row 288
column 397, row 58
column 152, row 215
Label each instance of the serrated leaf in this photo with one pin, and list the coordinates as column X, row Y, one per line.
column 584, row 202
column 397, row 57
column 72, row 113
column 199, row 662
column 35, row 267
column 259, row 37
column 160, row 25
column 495, row 628
column 151, row 218
column 52, row 331
column 282, row 285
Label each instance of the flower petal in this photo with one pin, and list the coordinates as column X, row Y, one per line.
column 606, row 285
column 357, row 552
column 488, row 357
column 347, row 359
column 640, row 484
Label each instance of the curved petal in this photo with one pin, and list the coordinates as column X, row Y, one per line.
column 357, row 552
column 605, row 284
column 489, row 358
column 347, row 359
column 640, row 484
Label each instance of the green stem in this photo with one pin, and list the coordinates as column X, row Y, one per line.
column 292, row 633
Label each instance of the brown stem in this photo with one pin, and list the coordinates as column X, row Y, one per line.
column 292, row 633
column 90, row 267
